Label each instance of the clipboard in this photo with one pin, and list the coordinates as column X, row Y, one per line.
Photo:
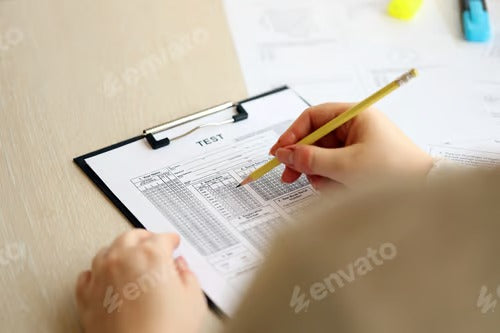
column 155, row 141
column 150, row 136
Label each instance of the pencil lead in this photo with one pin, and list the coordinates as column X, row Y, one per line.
column 238, row 185
column 245, row 181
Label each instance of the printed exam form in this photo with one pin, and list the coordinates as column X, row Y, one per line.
column 189, row 188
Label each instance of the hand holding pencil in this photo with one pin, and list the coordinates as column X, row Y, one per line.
column 364, row 148
column 367, row 145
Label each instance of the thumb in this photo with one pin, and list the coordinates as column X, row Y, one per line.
column 332, row 163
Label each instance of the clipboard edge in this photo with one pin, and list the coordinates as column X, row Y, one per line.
column 264, row 94
column 82, row 164
column 274, row 91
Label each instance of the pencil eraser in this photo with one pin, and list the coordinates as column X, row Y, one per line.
column 404, row 9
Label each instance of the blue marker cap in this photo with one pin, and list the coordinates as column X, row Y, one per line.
column 476, row 21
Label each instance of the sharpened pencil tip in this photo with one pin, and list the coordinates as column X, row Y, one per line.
column 245, row 181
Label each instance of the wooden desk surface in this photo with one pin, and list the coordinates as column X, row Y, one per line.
column 76, row 76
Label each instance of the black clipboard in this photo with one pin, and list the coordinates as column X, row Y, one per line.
column 148, row 135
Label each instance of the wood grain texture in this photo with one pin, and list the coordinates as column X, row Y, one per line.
column 76, row 76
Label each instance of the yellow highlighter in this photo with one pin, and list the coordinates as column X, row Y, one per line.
column 336, row 122
column 404, row 9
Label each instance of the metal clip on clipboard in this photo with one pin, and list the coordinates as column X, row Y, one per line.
column 241, row 114
column 149, row 133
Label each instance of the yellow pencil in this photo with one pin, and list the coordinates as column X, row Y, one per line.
column 336, row 122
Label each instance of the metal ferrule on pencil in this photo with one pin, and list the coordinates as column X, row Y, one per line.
column 407, row 77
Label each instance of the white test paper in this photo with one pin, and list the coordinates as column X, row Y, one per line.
column 189, row 188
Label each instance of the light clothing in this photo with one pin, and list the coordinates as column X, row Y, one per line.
column 403, row 257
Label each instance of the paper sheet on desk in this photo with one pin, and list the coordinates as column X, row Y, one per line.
column 189, row 188
column 343, row 50
column 467, row 156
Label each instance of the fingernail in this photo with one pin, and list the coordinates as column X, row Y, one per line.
column 290, row 136
column 285, row 155
column 182, row 263
column 273, row 149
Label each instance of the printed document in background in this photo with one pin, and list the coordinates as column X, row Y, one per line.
column 337, row 50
